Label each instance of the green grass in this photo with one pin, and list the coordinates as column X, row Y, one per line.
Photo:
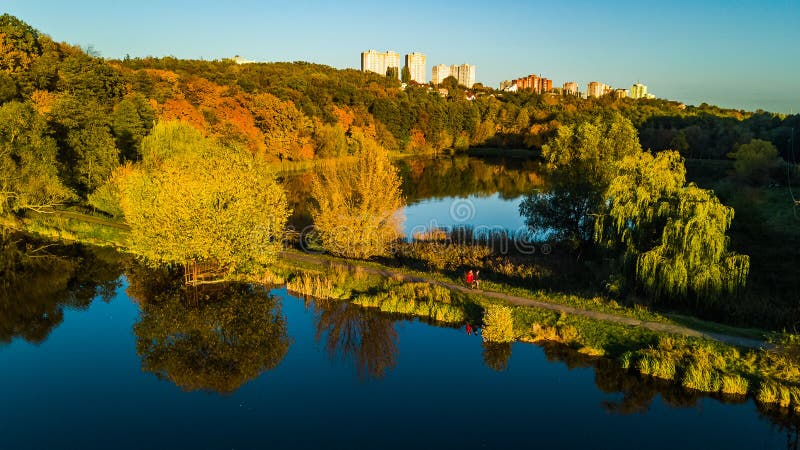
column 75, row 228
column 715, row 327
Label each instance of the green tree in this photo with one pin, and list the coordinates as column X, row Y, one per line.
column 8, row 88
column 523, row 121
column 406, row 75
column 582, row 159
column 391, row 72
column 196, row 200
column 590, row 151
column 357, row 203
column 679, row 143
column 28, row 167
column 87, row 150
column 95, row 154
column 87, row 77
column 674, row 233
column 131, row 121
column 754, row 161
column 450, row 83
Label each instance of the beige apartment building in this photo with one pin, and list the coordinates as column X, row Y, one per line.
column 439, row 73
column 379, row 62
column 570, row 88
column 466, row 75
column 416, row 65
column 597, row 89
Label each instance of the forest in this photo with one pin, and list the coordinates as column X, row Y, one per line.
column 84, row 116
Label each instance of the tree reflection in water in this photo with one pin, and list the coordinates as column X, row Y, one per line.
column 639, row 392
column 39, row 279
column 496, row 355
column 351, row 332
column 213, row 338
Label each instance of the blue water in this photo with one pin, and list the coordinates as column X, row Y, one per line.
column 84, row 388
column 486, row 213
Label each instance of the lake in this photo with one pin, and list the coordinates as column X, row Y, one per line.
column 98, row 352
column 130, row 372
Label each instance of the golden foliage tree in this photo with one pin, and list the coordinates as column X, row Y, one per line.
column 357, row 203
column 196, row 200
column 498, row 325
column 286, row 129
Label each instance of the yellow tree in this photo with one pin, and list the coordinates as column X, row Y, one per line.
column 357, row 203
column 196, row 200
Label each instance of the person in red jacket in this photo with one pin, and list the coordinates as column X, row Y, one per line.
column 470, row 278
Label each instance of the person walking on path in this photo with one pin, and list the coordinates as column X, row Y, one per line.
column 477, row 279
column 470, row 278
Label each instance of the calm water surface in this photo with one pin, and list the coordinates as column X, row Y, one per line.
column 344, row 377
column 447, row 192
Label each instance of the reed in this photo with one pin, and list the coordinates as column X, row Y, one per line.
column 316, row 286
column 654, row 366
column 734, row 384
column 702, row 378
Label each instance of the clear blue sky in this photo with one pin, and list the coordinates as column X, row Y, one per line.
column 730, row 53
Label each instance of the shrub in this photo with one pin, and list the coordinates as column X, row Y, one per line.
column 498, row 326
column 733, row 384
column 658, row 366
column 702, row 378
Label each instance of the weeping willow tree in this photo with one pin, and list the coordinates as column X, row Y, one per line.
column 673, row 234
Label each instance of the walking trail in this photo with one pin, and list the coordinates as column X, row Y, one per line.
column 524, row 301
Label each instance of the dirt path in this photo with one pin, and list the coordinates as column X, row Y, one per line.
column 523, row 301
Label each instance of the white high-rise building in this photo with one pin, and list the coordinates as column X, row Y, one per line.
column 439, row 73
column 638, row 90
column 466, row 75
column 379, row 62
column 416, row 65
